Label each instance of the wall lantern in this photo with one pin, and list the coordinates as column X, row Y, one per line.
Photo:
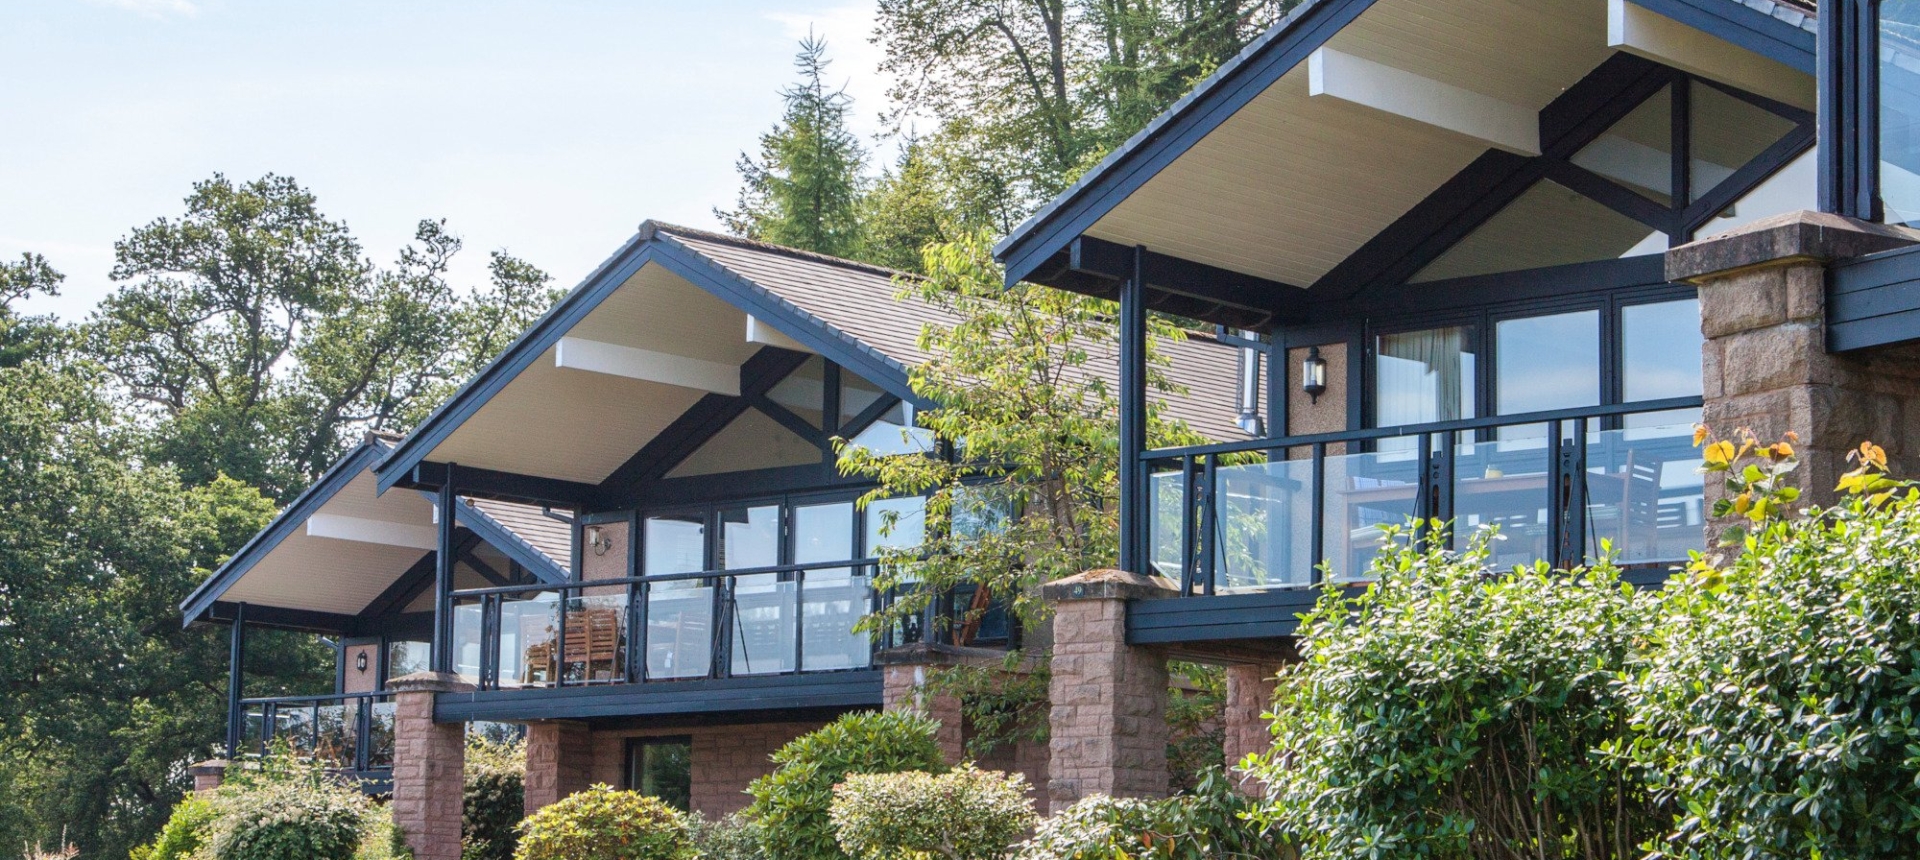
column 360, row 662
column 1313, row 374
column 599, row 540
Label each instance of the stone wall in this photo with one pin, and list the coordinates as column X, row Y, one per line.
column 1109, row 700
column 1765, row 365
column 725, row 759
column 560, row 759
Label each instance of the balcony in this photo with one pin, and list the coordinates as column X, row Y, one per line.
column 1279, row 517
column 351, row 733
column 753, row 638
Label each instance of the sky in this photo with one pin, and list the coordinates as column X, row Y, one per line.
column 546, row 128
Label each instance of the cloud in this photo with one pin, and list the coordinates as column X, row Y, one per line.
column 153, row 8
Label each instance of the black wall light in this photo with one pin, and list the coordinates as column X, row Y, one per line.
column 1313, row 374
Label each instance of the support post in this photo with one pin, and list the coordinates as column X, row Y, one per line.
column 559, row 762
column 1849, row 114
column 1133, row 417
column 1249, row 695
column 443, row 580
column 428, row 761
column 236, row 671
column 1108, row 723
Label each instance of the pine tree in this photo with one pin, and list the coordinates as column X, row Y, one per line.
column 803, row 191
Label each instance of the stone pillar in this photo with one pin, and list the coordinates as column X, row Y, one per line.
column 208, row 775
column 1249, row 695
column 1109, row 699
column 559, row 761
column 904, row 688
column 427, row 764
column 1765, row 363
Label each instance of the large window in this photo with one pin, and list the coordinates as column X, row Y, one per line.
column 1900, row 110
column 662, row 768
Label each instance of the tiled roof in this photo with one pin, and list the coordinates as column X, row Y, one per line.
column 547, row 536
column 861, row 302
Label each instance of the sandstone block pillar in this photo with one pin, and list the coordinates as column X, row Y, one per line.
column 427, row 763
column 1249, row 695
column 904, row 688
column 1109, row 699
column 559, row 761
column 1765, row 364
column 208, row 775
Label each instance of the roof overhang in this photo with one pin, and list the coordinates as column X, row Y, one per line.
column 649, row 334
column 338, row 548
column 1342, row 119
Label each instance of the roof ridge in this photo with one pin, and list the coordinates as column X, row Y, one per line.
column 651, row 226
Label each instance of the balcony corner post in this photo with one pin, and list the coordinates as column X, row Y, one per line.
column 1134, row 506
column 443, row 578
column 236, row 671
column 1108, row 699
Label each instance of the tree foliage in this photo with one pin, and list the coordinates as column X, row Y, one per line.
column 803, row 190
column 263, row 343
column 1031, row 492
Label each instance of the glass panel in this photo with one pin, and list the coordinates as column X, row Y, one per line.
column 896, row 524
column 1505, row 486
column 1644, row 494
column 1421, row 377
column 337, row 724
column 1900, row 110
column 1264, row 525
column 832, row 599
column 293, row 724
column 662, row 768
column 804, row 390
column 528, row 626
column 749, row 537
column 1638, row 150
column 679, row 612
column 752, row 441
column 1168, row 494
column 1364, row 493
column 894, row 433
column 596, row 640
column 466, row 641
column 1548, row 225
column 1790, row 189
column 380, row 735
column 762, row 605
column 1660, row 357
column 856, row 394
column 1545, row 362
column 406, row 658
column 1727, row 133
column 253, row 728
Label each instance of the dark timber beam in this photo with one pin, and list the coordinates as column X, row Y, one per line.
column 443, row 575
column 282, row 618
column 504, row 486
column 1251, row 302
column 236, row 669
column 709, row 415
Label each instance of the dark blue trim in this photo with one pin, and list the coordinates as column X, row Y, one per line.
column 1748, row 28
column 517, row 357
column 303, row 620
column 708, row 416
column 336, row 478
column 1169, row 136
column 859, row 688
column 1849, row 108
column 1874, row 300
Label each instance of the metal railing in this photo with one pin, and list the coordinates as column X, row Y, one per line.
column 1296, row 511
column 347, row 731
column 776, row 620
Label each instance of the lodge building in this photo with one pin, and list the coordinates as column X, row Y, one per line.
column 1480, row 261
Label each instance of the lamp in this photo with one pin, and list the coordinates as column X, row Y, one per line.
column 360, row 662
column 1313, row 374
column 599, row 540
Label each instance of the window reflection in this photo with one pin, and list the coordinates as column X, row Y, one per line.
column 1900, row 110
column 1546, row 362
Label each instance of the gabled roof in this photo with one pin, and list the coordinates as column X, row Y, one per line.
column 340, row 578
column 1361, row 195
column 671, row 289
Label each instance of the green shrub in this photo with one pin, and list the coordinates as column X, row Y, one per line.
column 184, row 831
column 731, row 838
column 791, row 805
column 495, row 798
column 1778, row 706
column 380, row 839
column 1095, row 828
column 1209, row 822
column 602, row 823
column 287, row 820
column 963, row 814
column 1452, row 712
